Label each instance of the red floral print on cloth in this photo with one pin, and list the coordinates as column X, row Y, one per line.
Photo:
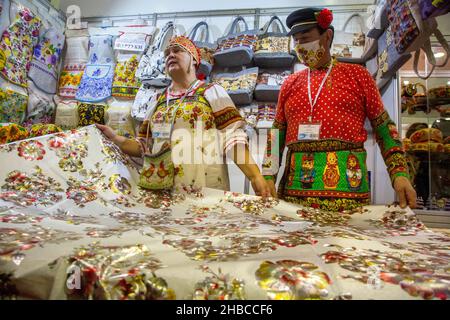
column 31, row 189
column 292, row 280
column 417, row 276
column 219, row 286
column 17, row 47
column 117, row 273
column 31, row 150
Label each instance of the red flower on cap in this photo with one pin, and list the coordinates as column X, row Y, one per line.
column 324, row 18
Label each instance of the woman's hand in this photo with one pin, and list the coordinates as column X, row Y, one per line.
column 107, row 131
column 260, row 186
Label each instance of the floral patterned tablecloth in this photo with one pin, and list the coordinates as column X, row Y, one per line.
column 74, row 225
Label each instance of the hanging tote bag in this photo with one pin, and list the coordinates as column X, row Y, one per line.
column 378, row 20
column 272, row 48
column 349, row 44
column 269, row 85
column 75, row 60
column 141, row 103
column 206, row 47
column 96, row 83
column 239, row 85
column 433, row 8
column 389, row 59
column 236, row 48
column 151, row 68
column 410, row 31
column 46, row 57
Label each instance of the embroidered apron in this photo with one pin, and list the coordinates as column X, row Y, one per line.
column 96, row 83
column 194, row 108
column 129, row 47
column 16, row 47
column 74, row 64
column 46, row 57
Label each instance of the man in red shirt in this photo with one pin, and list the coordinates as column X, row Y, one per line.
column 320, row 118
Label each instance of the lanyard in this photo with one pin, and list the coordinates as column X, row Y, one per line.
column 174, row 112
column 312, row 104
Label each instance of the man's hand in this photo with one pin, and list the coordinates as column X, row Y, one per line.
column 406, row 193
column 273, row 190
column 260, row 186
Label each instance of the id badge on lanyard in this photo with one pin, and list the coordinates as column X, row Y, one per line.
column 309, row 131
column 161, row 130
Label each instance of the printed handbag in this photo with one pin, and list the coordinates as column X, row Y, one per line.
column 141, row 103
column 151, row 68
column 118, row 117
column 66, row 116
column 389, row 60
column 130, row 47
column 16, row 47
column 41, row 107
column 269, row 85
column 75, row 59
column 410, row 31
column 272, row 48
column 46, row 57
column 266, row 115
column 239, row 85
column 433, row 8
column 96, row 83
column 349, row 44
column 372, row 66
column 13, row 106
column 378, row 20
column 90, row 114
column 236, row 48
column 206, row 47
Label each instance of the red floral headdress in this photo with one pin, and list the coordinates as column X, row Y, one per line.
column 188, row 45
column 324, row 18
